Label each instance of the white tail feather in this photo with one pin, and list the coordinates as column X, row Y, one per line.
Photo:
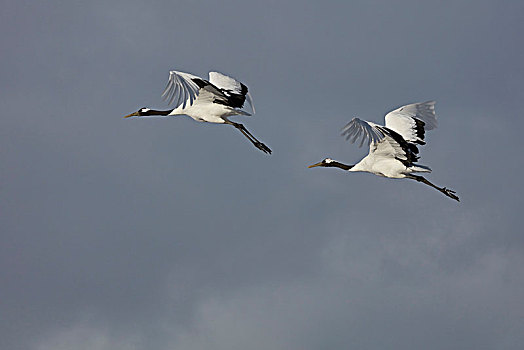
column 420, row 169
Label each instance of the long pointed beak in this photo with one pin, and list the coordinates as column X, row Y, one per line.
column 314, row 165
column 132, row 115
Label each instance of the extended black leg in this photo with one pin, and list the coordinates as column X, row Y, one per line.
column 251, row 138
column 446, row 191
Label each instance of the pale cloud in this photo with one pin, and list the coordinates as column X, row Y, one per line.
column 84, row 337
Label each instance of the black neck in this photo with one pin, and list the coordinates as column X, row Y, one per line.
column 155, row 112
column 340, row 165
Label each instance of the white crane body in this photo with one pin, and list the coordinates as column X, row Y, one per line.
column 203, row 111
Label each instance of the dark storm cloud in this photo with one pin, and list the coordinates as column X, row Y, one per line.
column 156, row 234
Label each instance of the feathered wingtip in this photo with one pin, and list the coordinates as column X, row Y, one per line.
column 357, row 128
column 426, row 112
column 181, row 89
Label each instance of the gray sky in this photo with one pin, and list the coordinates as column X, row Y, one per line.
column 170, row 234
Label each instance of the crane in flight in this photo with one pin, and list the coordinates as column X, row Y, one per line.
column 393, row 148
column 211, row 101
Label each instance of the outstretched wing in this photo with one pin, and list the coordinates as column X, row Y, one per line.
column 411, row 121
column 183, row 88
column 236, row 92
column 382, row 141
column 368, row 131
